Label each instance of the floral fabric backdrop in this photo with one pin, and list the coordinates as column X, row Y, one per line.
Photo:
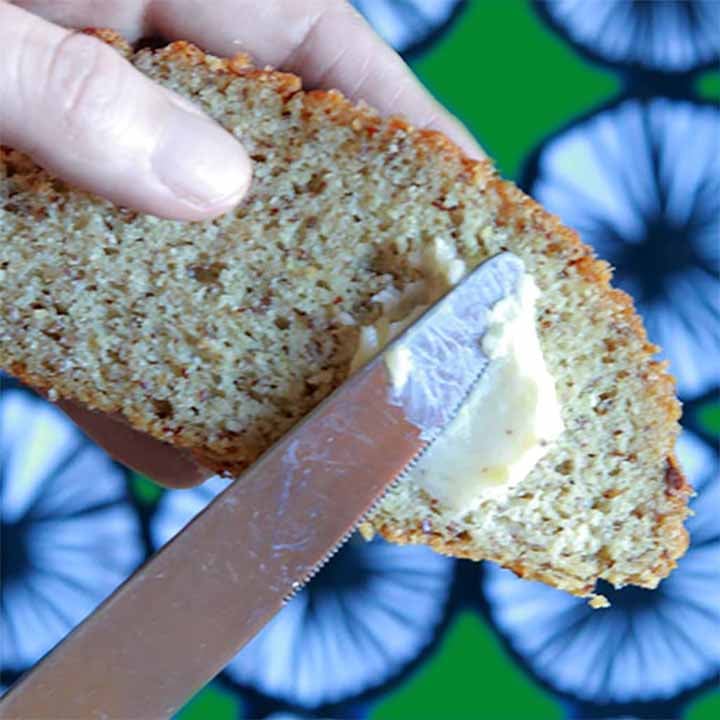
column 607, row 112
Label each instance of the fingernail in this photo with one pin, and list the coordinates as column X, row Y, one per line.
column 200, row 163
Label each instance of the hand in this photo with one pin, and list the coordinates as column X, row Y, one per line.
column 87, row 115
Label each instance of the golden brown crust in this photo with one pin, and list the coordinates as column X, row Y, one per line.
column 112, row 38
column 516, row 211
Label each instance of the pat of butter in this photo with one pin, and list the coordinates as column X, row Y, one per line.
column 508, row 422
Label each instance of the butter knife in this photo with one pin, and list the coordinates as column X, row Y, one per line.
column 180, row 618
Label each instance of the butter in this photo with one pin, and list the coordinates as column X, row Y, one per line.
column 441, row 270
column 510, row 418
column 398, row 361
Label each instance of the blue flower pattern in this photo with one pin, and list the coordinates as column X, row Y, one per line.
column 69, row 533
column 650, row 645
column 410, row 25
column 368, row 613
column 672, row 36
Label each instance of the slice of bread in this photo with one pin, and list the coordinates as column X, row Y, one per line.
column 219, row 336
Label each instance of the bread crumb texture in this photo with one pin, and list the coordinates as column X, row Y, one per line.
column 218, row 336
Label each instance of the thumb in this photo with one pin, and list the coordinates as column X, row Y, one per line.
column 83, row 112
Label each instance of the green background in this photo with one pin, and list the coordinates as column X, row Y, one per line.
column 513, row 82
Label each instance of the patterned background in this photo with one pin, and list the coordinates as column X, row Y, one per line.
column 607, row 112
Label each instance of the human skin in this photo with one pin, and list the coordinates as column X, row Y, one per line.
column 87, row 115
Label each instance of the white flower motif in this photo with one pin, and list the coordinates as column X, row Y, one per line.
column 408, row 24
column 641, row 184
column 650, row 645
column 69, row 535
column 672, row 36
column 369, row 612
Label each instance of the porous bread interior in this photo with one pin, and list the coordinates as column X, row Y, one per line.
column 218, row 336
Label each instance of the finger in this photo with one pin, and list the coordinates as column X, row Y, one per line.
column 125, row 16
column 325, row 41
column 166, row 465
column 341, row 50
column 79, row 109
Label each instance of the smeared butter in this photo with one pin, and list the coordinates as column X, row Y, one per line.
column 509, row 419
column 512, row 415
column 441, row 270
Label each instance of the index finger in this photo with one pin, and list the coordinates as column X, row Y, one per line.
column 327, row 42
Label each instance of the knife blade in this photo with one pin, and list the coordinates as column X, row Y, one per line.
column 181, row 617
